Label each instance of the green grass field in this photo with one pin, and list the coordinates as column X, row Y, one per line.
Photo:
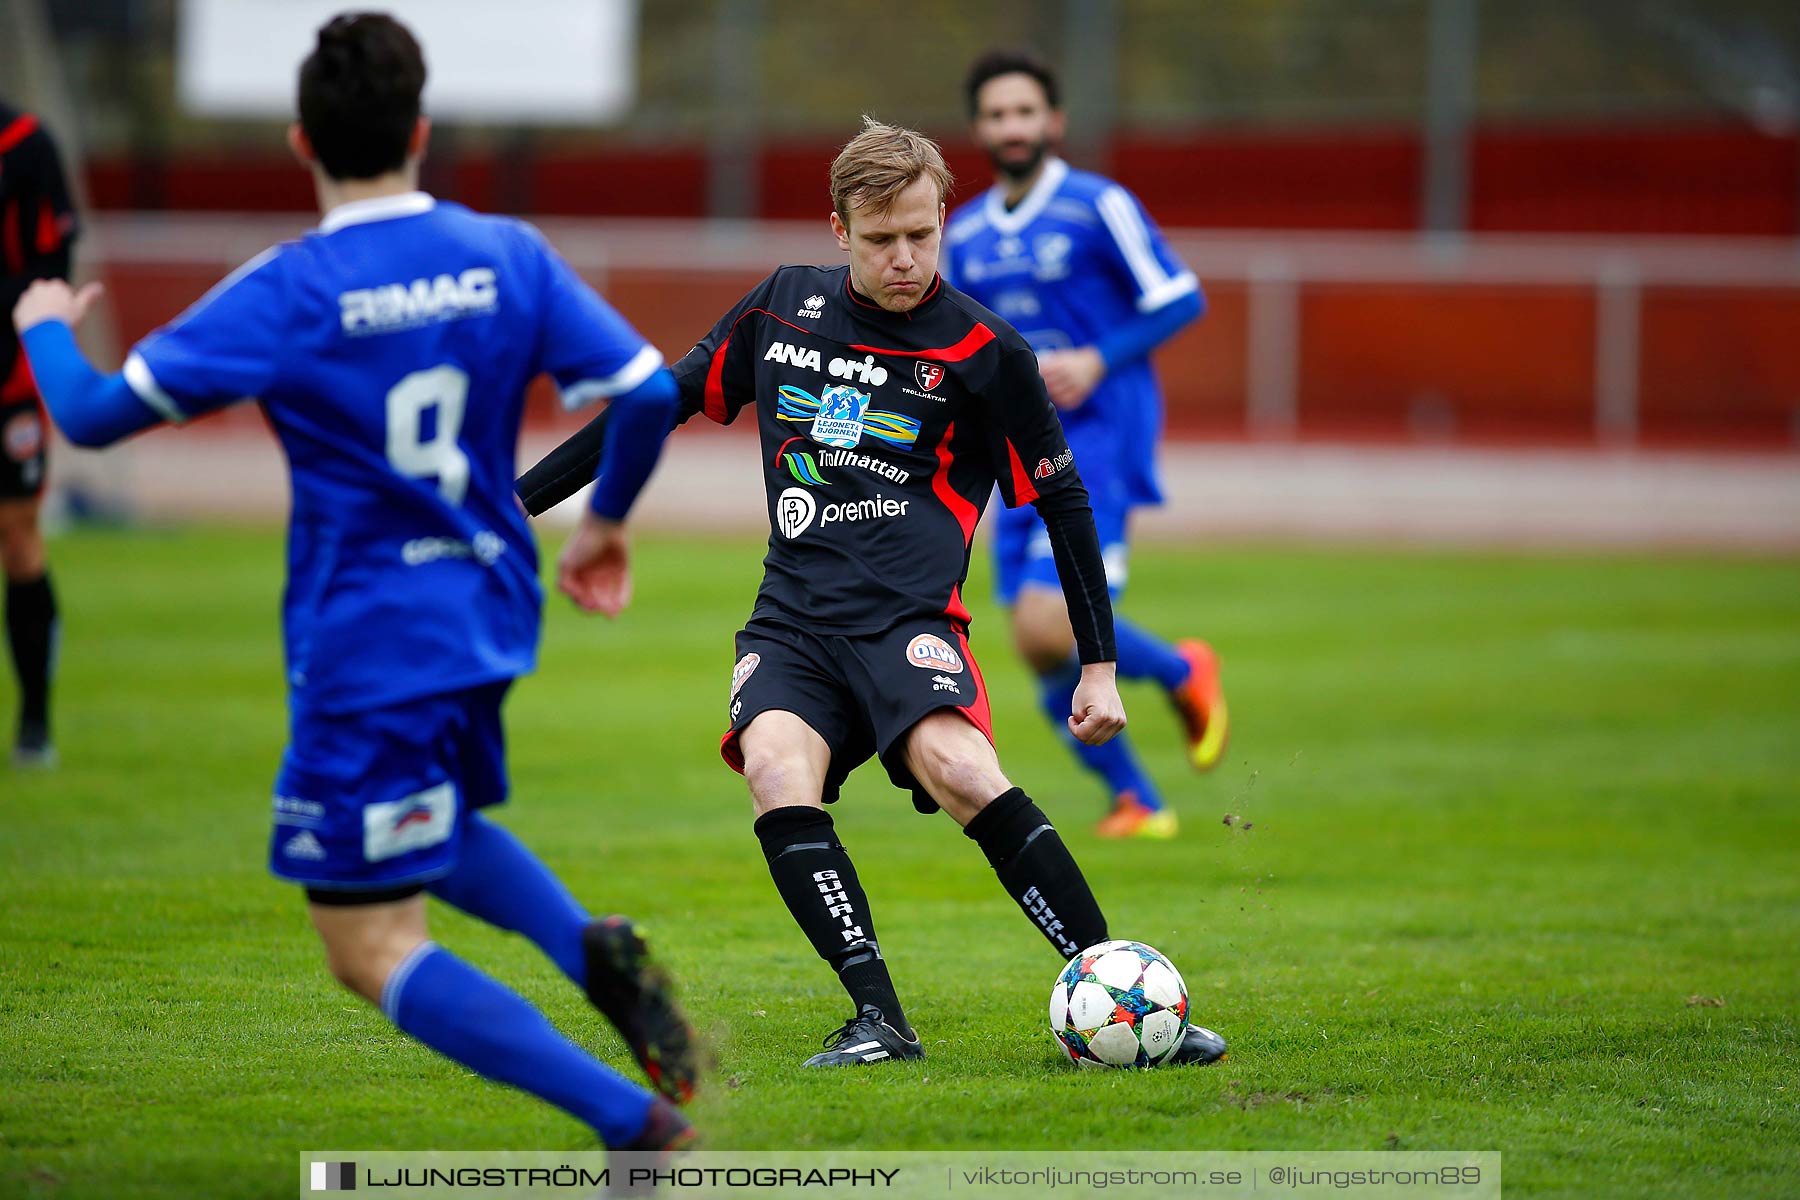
column 1518, row 869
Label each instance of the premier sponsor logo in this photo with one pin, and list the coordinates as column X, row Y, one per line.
column 795, row 511
column 933, row 653
column 851, row 511
column 394, row 306
column 1048, row 467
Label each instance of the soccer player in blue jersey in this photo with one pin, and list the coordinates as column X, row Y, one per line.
column 1074, row 262
column 390, row 350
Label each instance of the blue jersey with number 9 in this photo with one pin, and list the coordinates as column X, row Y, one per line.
column 391, row 349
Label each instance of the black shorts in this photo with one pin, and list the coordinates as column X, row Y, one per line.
column 23, row 436
column 860, row 693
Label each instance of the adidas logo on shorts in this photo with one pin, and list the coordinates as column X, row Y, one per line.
column 304, row 845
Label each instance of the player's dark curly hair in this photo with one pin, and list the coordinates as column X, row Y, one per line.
column 359, row 94
column 1010, row 62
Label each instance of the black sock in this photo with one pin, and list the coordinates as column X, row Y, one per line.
column 31, row 632
column 816, row 879
column 1038, row 871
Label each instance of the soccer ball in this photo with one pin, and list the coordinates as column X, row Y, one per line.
column 1118, row 1004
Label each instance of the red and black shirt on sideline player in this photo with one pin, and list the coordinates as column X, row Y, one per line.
column 883, row 434
column 37, row 232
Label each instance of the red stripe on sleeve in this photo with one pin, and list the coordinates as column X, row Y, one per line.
column 715, row 382
column 49, row 229
column 1024, row 491
column 715, row 371
column 21, row 128
column 19, row 385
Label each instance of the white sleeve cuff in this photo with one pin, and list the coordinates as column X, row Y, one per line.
column 643, row 365
column 1169, row 290
column 143, row 383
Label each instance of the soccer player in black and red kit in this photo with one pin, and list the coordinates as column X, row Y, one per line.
column 890, row 405
column 37, row 232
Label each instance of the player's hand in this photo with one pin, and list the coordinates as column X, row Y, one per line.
column 1070, row 376
column 54, row 300
column 1096, row 714
column 594, row 569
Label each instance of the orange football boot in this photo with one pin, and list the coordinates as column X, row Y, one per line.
column 1200, row 703
column 1132, row 818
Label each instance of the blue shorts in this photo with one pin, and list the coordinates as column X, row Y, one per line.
column 1022, row 554
column 372, row 800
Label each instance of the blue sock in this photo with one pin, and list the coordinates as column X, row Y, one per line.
column 478, row 1022
column 1143, row 655
column 500, row 881
column 1113, row 762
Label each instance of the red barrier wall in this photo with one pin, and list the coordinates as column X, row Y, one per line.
column 1394, row 362
column 1707, row 179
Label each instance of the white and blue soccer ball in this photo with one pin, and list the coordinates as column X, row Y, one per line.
column 1119, row 1004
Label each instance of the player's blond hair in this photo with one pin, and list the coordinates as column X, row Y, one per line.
column 879, row 163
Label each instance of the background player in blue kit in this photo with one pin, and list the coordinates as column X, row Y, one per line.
column 390, row 350
column 1072, row 260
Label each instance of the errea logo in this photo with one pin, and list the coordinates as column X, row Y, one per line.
column 811, row 307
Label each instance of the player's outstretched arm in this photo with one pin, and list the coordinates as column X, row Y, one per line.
column 1096, row 711
column 571, row 465
column 566, row 469
column 91, row 409
column 594, row 569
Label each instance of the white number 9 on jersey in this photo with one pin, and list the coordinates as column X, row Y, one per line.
column 446, row 389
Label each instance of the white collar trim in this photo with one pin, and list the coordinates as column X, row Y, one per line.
column 378, row 208
column 1055, row 171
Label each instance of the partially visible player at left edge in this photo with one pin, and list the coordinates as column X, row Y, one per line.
column 37, row 232
column 391, row 349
